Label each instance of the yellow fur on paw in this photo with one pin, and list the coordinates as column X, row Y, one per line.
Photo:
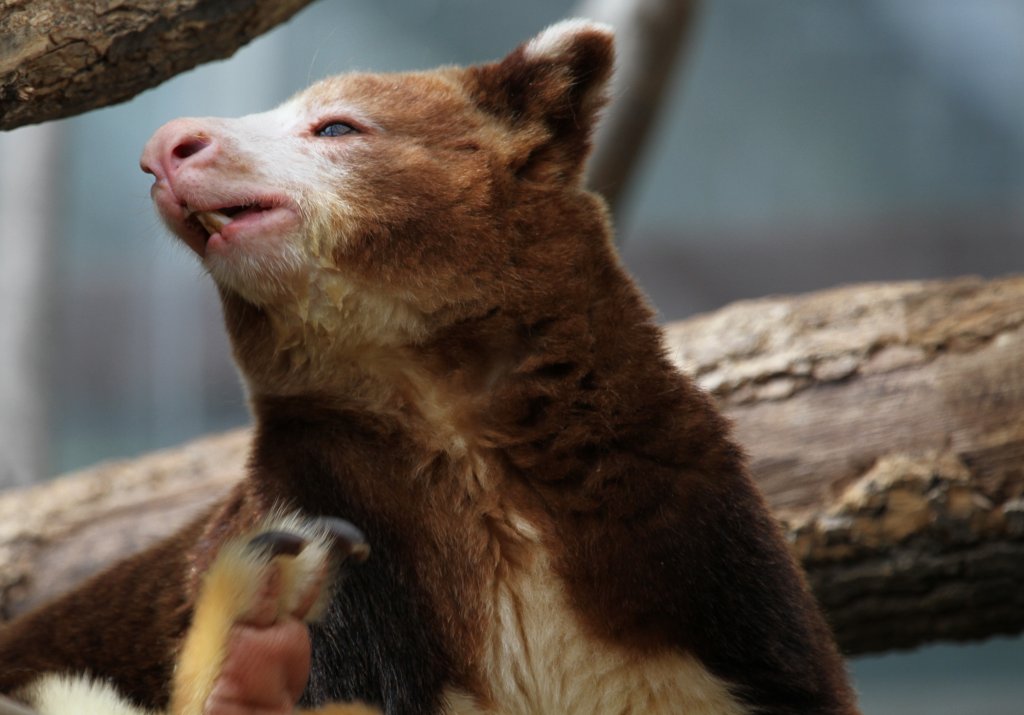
column 293, row 551
column 279, row 573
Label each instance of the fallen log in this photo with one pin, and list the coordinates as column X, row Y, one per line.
column 885, row 424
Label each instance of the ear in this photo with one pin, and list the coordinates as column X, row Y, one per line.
column 552, row 88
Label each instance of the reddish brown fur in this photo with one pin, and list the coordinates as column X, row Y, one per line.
column 125, row 622
column 549, row 370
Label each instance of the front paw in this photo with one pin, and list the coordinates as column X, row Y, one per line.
column 247, row 650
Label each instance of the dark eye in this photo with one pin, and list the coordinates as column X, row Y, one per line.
column 336, row 129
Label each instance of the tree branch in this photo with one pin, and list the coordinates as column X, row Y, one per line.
column 885, row 424
column 649, row 38
column 61, row 57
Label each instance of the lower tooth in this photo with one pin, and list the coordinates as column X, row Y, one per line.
column 213, row 221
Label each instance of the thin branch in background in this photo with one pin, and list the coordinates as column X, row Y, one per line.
column 649, row 38
column 28, row 174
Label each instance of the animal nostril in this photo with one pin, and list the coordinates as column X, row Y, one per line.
column 190, row 146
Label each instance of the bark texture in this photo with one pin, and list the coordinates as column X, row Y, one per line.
column 885, row 424
column 55, row 535
column 64, row 57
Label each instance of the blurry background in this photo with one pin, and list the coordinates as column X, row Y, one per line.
column 805, row 143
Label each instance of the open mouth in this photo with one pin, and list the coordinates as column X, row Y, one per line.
column 247, row 221
column 214, row 221
column 244, row 226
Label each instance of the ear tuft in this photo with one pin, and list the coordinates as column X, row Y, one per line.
column 553, row 87
column 558, row 41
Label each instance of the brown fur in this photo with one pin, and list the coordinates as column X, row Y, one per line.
column 521, row 411
column 125, row 622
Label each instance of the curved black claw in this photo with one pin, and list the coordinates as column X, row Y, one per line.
column 349, row 543
column 277, row 543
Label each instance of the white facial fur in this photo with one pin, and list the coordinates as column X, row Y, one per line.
column 284, row 261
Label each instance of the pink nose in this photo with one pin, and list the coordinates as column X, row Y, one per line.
column 176, row 144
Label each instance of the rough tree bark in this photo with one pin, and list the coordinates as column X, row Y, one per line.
column 885, row 424
column 63, row 57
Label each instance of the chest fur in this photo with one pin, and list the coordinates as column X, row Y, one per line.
column 535, row 656
column 475, row 546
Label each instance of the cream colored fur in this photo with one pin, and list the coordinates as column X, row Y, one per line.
column 557, row 39
column 77, row 695
column 541, row 661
